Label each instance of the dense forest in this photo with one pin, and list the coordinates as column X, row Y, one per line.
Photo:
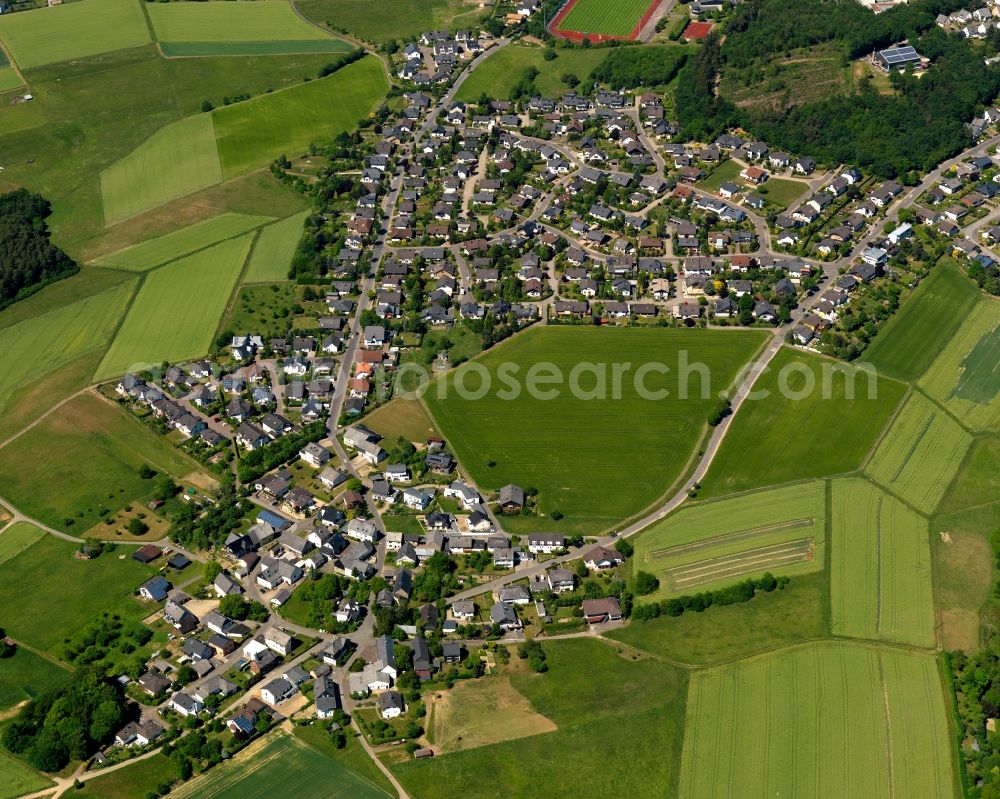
column 919, row 124
column 631, row 67
column 68, row 723
column 28, row 260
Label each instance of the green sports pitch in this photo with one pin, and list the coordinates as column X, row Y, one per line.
column 611, row 18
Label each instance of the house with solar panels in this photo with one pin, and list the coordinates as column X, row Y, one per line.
column 899, row 57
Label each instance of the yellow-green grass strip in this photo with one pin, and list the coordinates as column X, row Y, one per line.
column 225, row 21
column 253, row 133
column 273, row 47
column 9, row 79
column 73, row 30
column 823, row 719
column 158, row 251
column 177, row 310
column 920, row 453
column 177, row 160
column 880, row 585
column 272, row 255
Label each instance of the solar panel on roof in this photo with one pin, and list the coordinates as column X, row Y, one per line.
column 899, row 55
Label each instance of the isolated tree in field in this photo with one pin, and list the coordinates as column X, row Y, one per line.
column 644, row 583
column 146, row 472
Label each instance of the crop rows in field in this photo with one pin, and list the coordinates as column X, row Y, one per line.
column 920, row 454
column 71, row 31
column 606, row 17
column 158, row 251
column 965, row 377
column 177, row 160
column 906, row 345
column 825, row 719
column 177, row 310
column 273, row 252
column 42, row 344
column 881, row 583
column 781, row 530
column 725, row 568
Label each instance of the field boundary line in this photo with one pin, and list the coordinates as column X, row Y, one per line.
column 14, row 66
column 980, row 506
column 910, row 388
column 878, row 564
column 37, row 421
column 894, row 495
column 118, row 327
column 44, row 655
column 231, row 303
column 739, row 535
column 948, row 413
column 887, row 716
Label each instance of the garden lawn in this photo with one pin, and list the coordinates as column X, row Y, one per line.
column 907, row 344
column 17, row 779
column 580, row 452
column 36, row 346
column 636, row 708
column 608, row 17
column 72, row 31
column 965, row 377
column 725, row 632
column 779, row 191
column 880, row 583
column 177, row 160
column 177, row 310
column 381, row 20
column 404, row 417
column 82, row 459
column 503, row 70
column 185, row 241
column 49, row 594
column 272, row 254
column 711, row 544
column 253, row 133
column 920, row 454
column 280, row 765
column 824, row 719
column 727, row 172
column 24, row 676
column 786, row 436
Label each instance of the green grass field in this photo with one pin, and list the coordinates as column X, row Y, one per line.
column 635, row 707
column 965, row 377
column 285, row 766
column 499, row 73
column 24, row 676
column 185, row 241
column 831, row 719
column 608, row 17
column 402, row 417
column 581, row 453
column 725, row 632
column 781, row 530
column 780, row 437
column 73, row 31
column 35, row 347
column 920, row 454
column 978, row 481
column 908, row 343
column 781, row 192
column 880, row 580
column 9, row 79
column 727, row 172
column 261, row 21
column 17, row 538
column 275, row 47
column 252, row 133
column 272, row 254
column 177, row 310
column 177, row 160
column 48, row 593
column 81, row 459
column 136, row 780
column 17, row 779
column 381, row 20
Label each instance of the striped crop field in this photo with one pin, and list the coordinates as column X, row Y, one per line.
column 158, row 251
column 177, row 310
column 272, row 254
column 831, row 719
column 617, row 18
column 881, row 583
column 779, row 530
column 965, row 377
column 920, row 454
column 177, row 160
column 906, row 345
